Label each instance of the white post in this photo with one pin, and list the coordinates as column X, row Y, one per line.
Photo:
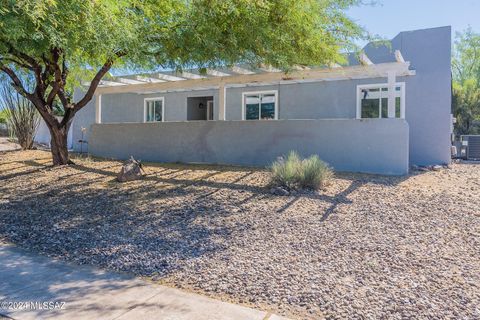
column 98, row 108
column 391, row 93
column 221, row 101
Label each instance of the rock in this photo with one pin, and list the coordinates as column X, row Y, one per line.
column 437, row 167
column 279, row 191
column 131, row 170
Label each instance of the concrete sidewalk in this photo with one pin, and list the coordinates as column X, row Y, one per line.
column 88, row 293
column 6, row 145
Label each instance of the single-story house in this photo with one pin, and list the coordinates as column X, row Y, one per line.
column 381, row 113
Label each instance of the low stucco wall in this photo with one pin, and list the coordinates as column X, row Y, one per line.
column 372, row 146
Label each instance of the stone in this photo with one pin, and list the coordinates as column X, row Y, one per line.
column 437, row 167
column 131, row 170
column 279, row 191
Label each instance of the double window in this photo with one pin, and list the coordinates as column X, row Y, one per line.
column 154, row 109
column 260, row 105
column 372, row 101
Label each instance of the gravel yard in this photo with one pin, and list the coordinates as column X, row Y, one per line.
column 366, row 247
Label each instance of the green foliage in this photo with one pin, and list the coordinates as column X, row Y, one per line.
column 293, row 172
column 466, row 57
column 3, row 116
column 466, row 86
column 178, row 33
column 62, row 43
column 466, row 107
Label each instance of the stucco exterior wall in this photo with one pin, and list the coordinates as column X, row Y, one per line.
column 428, row 93
column 313, row 100
column 372, row 146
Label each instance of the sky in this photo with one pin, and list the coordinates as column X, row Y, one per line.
column 389, row 17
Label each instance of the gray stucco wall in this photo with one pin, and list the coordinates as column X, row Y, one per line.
column 314, row 100
column 428, row 93
column 129, row 107
column 373, row 145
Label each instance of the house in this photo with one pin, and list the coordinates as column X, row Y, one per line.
column 387, row 110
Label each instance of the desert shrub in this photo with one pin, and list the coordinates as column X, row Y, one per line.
column 293, row 172
column 22, row 117
column 3, row 116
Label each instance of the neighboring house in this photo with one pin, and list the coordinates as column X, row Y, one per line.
column 381, row 114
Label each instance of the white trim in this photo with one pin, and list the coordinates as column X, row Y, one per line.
column 210, row 108
column 222, row 96
column 246, row 93
column 98, row 108
column 392, row 79
column 380, row 85
column 145, row 100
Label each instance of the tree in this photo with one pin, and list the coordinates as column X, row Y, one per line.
column 466, row 58
column 466, row 86
column 466, row 102
column 62, row 43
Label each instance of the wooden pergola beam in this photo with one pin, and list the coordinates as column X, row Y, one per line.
column 168, row 77
column 240, row 70
column 324, row 74
column 364, row 60
column 148, row 79
column 216, row 73
column 399, row 56
column 128, row 81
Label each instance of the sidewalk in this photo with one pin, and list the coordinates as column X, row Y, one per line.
column 6, row 145
column 89, row 293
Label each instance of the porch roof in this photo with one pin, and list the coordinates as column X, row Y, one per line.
column 243, row 76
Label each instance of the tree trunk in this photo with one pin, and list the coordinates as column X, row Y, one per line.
column 58, row 145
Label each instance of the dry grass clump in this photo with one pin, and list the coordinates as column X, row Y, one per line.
column 292, row 172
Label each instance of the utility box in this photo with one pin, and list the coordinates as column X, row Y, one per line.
column 470, row 147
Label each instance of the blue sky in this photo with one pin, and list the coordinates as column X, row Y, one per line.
column 388, row 17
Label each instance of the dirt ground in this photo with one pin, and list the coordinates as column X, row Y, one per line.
column 368, row 246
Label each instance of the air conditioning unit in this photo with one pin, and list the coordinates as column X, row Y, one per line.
column 471, row 146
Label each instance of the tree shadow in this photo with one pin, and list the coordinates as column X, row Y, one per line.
column 150, row 227
column 86, row 292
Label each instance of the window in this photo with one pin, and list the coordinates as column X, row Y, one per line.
column 260, row 105
column 154, row 110
column 372, row 101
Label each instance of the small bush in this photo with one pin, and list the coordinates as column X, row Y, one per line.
column 3, row 116
column 293, row 172
column 22, row 117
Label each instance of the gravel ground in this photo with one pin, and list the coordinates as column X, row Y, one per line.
column 366, row 247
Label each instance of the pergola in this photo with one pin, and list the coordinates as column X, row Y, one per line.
column 241, row 76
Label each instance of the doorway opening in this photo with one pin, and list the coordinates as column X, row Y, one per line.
column 200, row 108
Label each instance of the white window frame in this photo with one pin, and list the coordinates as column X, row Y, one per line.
column 247, row 93
column 145, row 108
column 380, row 85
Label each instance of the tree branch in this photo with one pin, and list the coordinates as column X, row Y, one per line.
column 58, row 83
column 16, row 83
column 93, row 85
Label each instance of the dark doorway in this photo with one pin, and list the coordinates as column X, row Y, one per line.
column 200, row 108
